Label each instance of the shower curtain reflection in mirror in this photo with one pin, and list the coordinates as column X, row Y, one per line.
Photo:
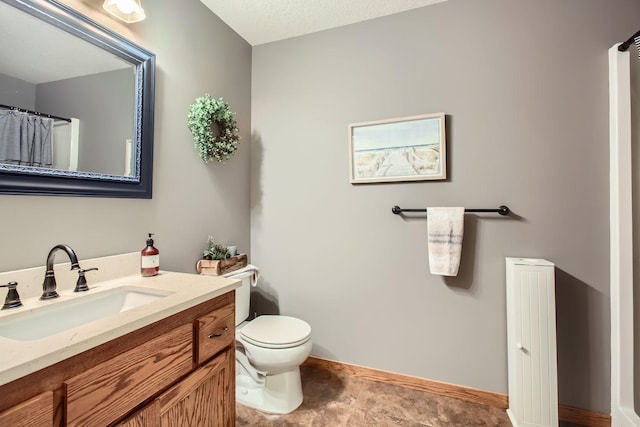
column 43, row 142
column 25, row 139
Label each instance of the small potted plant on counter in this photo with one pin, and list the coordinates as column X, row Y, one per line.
column 217, row 259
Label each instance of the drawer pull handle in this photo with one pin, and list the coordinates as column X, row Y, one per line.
column 219, row 334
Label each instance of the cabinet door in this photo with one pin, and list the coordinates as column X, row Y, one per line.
column 36, row 412
column 206, row 398
column 147, row 417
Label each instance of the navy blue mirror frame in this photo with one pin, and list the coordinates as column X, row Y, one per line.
column 93, row 184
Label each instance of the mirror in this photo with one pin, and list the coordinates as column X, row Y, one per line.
column 76, row 105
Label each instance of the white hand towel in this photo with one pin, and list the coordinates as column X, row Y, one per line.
column 445, row 227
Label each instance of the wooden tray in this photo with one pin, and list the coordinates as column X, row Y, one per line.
column 223, row 266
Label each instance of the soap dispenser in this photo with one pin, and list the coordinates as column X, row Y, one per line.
column 149, row 259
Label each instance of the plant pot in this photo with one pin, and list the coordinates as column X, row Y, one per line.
column 223, row 266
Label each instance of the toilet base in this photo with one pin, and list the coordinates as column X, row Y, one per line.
column 279, row 394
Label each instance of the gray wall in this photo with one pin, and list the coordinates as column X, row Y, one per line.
column 17, row 92
column 104, row 104
column 196, row 53
column 524, row 86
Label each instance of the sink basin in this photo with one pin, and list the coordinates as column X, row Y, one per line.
column 59, row 316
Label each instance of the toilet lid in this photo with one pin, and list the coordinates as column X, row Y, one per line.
column 272, row 331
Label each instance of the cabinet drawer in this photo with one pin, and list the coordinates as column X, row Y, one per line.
column 108, row 391
column 214, row 332
column 34, row 412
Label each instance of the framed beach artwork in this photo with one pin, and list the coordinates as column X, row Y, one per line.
column 403, row 149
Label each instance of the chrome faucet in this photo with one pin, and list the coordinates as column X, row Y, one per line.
column 49, row 284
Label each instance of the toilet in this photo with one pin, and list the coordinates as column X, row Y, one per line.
column 269, row 352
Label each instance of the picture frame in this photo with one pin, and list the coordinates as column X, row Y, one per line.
column 401, row 149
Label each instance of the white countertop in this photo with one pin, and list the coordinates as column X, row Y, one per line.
column 20, row 358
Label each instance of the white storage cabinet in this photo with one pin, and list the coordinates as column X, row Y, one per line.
column 531, row 343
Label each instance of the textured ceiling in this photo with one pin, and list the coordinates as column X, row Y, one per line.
column 264, row 21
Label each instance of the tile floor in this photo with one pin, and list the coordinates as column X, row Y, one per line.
column 333, row 400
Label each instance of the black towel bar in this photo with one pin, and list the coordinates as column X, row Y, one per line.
column 502, row 210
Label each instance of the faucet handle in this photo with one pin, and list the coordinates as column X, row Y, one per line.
column 13, row 299
column 81, row 284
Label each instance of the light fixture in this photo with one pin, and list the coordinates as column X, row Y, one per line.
column 129, row 11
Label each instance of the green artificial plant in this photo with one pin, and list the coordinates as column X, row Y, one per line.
column 215, row 251
column 214, row 130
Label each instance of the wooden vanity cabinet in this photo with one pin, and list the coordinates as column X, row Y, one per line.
column 34, row 412
column 179, row 371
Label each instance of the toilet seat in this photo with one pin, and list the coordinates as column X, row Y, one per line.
column 271, row 331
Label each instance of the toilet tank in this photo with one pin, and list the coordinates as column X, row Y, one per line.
column 242, row 294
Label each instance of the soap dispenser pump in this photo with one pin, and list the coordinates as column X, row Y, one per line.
column 149, row 259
